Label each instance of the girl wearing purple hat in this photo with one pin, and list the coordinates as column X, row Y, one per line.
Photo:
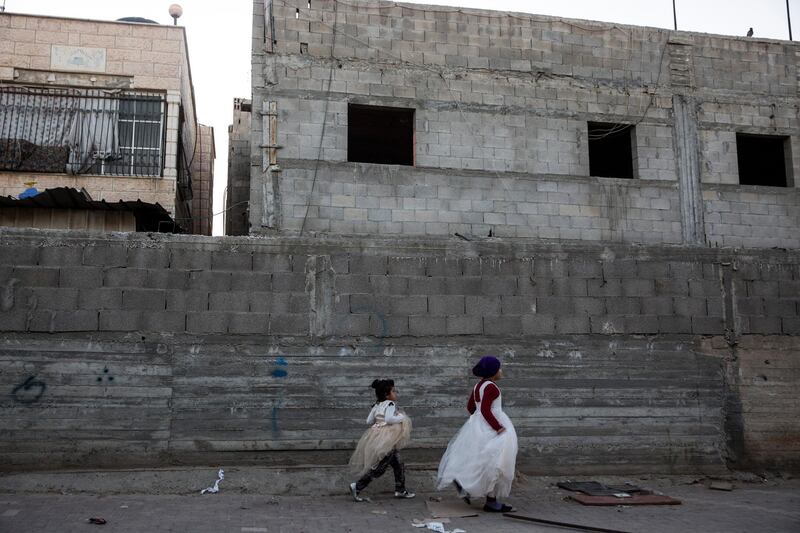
column 481, row 457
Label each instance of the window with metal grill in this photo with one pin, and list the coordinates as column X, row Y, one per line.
column 611, row 150
column 763, row 160
column 378, row 134
column 81, row 131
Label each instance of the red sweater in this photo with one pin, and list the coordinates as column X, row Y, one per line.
column 490, row 394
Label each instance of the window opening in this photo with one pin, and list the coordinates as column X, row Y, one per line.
column 383, row 135
column 611, row 150
column 763, row 160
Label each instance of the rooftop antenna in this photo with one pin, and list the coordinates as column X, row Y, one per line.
column 175, row 11
column 675, row 15
column 788, row 18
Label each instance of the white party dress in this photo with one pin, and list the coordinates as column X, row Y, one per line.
column 479, row 458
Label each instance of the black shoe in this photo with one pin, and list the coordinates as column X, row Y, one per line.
column 502, row 509
column 463, row 495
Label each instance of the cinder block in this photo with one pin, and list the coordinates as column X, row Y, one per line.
column 248, row 323
column 584, row 269
column 763, row 289
column 209, row 281
column 708, row 325
column 427, row 326
column 589, row 306
column 388, row 285
column 125, row 277
column 674, row 324
column 368, row 264
column 442, row 305
column 272, row 263
column 150, row 258
column 166, row 279
column 620, row 269
column 144, row 299
column 704, row 288
column 502, row 326
column 570, row 287
column 765, row 325
column 232, row 261
column 750, row 306
column 14, row 320
column 114, row 320
column 558, row 306
column 443, row 266
column 19, row 255
column 55, row 298
column 530, row 286
column 426, row 285
column 686, row 271
column 297, row 324
column 623, row 306
column 388, row 325
column 609, row 325
column 105, row 256
column 499, row 286
column 407, row 266
column 39, row 276
column 468, row 286
column 464, row 325
column 789, row 326
column 64, row 321
column 780, row 306
column 638, row 287
column 163, row 321
column 408, row 305
column 642, row 324
column 671, row 287
column 61, row 256
column 288, row 282
column 187, row 300
column 234, row 301
column 517, row 305
column 97, row 299
column 652, row 269
column 482, row 305
column 538, row 324
column 208, row 322
column 658, row 305
column 351, row 283
column 607, row 288
column 185, row 259
column 340, row 263
column 366, row 303
column 351, row 325
column 573, row 325
column 251, row 281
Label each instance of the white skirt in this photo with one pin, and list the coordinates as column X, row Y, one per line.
column 377, row 442
column 480, row 459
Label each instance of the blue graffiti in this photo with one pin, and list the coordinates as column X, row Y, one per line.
column 280, row 372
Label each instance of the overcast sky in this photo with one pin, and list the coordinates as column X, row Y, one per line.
column 219, row 37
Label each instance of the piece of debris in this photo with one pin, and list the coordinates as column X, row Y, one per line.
column 633, row 499
column 435, row 526
column 215, row 487
column 376, row 511
column 721, row 485
column 97, row 520
column 579, row 527
column 434, row 499
column 594, row 488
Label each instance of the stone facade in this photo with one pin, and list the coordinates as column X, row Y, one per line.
column 132, row 57
column 501, row 105
column 203, row 182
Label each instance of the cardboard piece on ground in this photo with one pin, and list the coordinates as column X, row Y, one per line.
column 448, row 509
column 721, row 485
column 635, row 499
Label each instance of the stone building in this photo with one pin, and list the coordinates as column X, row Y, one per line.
column 97, row 105
column 401, row 120
column 202, row 174
column 238, row 192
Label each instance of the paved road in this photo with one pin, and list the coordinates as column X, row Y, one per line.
column 751, row 507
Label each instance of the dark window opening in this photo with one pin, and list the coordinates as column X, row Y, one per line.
column 382, row 135
column 762, row 160
column 611, row 150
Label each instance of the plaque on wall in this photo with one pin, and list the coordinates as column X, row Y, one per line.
column 79, row 58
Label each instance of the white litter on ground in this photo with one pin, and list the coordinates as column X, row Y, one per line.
column 215, row 488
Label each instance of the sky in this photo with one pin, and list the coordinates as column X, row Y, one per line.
column 218, row 35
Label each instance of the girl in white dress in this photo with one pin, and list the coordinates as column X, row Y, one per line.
column 389, row 431
column 481, row 457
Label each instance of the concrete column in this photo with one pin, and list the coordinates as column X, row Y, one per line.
column 687, row 161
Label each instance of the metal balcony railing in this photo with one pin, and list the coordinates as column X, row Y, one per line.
column 82, row 131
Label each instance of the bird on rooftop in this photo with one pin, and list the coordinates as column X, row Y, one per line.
column 750, row 32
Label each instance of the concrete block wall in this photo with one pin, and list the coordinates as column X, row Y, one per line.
column 254, row 350
column 504, row 99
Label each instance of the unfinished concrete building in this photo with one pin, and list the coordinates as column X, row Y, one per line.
column 390, row 120
column 238, row 192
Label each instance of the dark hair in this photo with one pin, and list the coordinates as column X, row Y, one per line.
column 382, row 388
